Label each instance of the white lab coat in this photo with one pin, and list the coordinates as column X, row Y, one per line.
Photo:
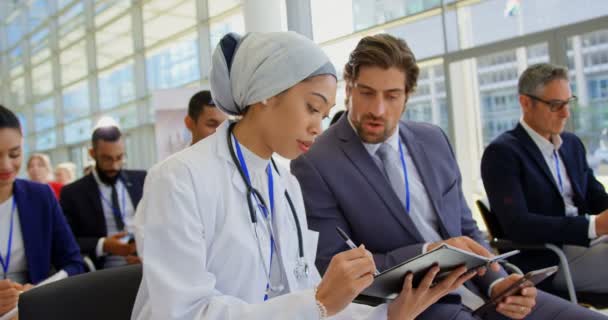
column 200, row 254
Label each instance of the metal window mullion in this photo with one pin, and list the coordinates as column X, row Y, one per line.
column 56, row 74
column 91, row 52
column 139, row 63
column 204, row 39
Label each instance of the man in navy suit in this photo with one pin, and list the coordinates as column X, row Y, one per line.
column 396, row 188
column 99, row 207
column 540, row 186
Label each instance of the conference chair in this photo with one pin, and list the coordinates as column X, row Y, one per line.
column 501, row 244
column 101, row 295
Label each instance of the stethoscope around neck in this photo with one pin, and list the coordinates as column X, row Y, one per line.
column 301, row 269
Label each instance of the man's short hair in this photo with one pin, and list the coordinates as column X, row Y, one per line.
column 109, row 134
column 536, row 76
column 384, row 51
column 198, row 101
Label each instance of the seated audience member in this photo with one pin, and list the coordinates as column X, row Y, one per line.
column 34, row 236
column 100, row 206
column 203, row 117
column 65, row 173
column 540, row 186
column 395, row 187
column 40, row 170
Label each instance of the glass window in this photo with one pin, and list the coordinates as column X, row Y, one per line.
column 114, row 41
column 39, row 41
column 489, row 21
column 71, row 25
column 326, row 24
column 368, row 13
column 116, row 86
column 126, row 117
column 163, row 18
column 428, row 103
column 78, row 131
column 216, row 7
column 17, row 92
column 232, row 23
column 39, row 11
column 73, row 63
column 589, row 81
column 44, row 115
column 493, row 84
column 105, row 10
column 76, row 102
column 16, row 58
column 14, row 30
column 42, row 76
column 46, row 140
column 173, row 65
column 423, row 36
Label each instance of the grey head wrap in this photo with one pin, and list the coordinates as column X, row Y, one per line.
column 246, row 70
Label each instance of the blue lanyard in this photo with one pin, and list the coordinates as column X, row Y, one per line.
column 7, row 260
column 559, row 173
column 243, row 165
column 405, row 177
column 121, row 211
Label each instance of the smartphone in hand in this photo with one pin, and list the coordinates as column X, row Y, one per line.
column 531, row 279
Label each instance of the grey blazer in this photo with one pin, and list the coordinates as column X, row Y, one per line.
column 342, row 186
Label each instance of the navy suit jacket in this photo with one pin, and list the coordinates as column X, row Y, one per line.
column 82, row 206
column 342, row 186
column 47, row 239
column 525, row 197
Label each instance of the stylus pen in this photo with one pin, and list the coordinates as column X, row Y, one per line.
column 350, row 243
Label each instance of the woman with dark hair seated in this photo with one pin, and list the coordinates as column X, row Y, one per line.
column 34, row 235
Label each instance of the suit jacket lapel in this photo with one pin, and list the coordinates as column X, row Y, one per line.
column 28, row 226
column 133, row 190
column 354, row 150
column 535, row 154
column 566, row 156
column 424, row 166
column 94, row 197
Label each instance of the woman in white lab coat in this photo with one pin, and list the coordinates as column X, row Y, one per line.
column 224, row 228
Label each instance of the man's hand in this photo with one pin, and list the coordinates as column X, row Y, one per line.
column 518, row 305
column 601, row 223
column 9, row 296
column 113, row 245
column 467, row 244
column 133, row 260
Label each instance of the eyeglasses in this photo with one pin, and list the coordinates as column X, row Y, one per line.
column 554, row 105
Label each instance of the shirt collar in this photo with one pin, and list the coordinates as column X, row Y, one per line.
column 546, row 147
column 372, row 148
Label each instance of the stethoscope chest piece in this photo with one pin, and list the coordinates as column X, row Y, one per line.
column 301, row 270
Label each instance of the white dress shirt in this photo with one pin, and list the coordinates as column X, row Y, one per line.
column 126, row 208
column 17, row 269
column 549, row 150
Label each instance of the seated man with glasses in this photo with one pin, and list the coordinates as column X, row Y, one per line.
column 100, row 206
column 541, row 188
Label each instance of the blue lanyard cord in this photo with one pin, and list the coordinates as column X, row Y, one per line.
column 263, row 208
column 121, row 211
column 559, row 173
column 7, row 260
column 405, row 177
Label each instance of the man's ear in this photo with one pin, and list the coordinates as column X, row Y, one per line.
column 189, row 123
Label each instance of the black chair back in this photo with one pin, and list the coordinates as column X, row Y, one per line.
column 106, row 294
column 490, row 220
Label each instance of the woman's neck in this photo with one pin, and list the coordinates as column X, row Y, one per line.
column 250, row 136
column 6, row 192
